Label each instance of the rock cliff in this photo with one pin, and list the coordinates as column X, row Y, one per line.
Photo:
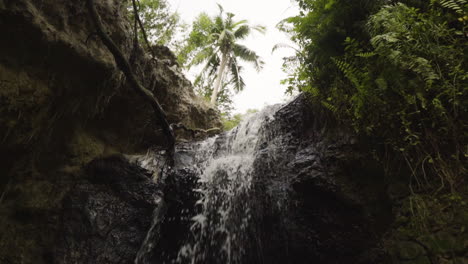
column 283, row 187
column 83, row 165
column 63, row 104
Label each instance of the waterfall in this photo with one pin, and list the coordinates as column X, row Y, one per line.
column 224, row 165
column 275, row 189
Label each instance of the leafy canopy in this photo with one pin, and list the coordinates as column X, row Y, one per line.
column 393, row 70
column 161, row 24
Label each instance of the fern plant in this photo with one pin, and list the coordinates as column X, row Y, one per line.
column 403, row 79
column 458, row 6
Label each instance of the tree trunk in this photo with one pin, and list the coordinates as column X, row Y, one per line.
column 219, row 79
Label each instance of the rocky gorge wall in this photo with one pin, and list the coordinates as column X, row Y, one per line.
column 74, row 138
column 282, row 187
column 301, row 188
column 63, row 104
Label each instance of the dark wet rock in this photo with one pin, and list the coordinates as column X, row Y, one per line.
column 63, row 104
column 176, row 220
column 316, row 196
column 100, row 214
column 324, row 197
column 106, row 218
column 59, row 84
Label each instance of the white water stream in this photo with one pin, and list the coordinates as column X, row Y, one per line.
column 224, row 165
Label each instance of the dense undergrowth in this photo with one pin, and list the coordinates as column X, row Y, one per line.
column 395, row 72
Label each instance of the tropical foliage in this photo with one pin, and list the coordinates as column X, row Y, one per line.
column 395, row 71
column 230, row 122
column 215, row 42
column 160, row 23
column 204, row 88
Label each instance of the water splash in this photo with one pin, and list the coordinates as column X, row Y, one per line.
column 224, row 164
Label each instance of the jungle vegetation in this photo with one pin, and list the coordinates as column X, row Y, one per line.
column 212, row 42
column 394, row 71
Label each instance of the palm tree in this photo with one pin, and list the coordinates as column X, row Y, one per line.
column 217, row 40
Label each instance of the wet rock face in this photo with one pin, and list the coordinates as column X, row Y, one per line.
column 314, row 196
column 64, row 103
column 322, row 197
column 56, row 76
column 174, row 223
column 105, row 218
column 102, row 215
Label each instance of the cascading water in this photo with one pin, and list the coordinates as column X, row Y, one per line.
column 262, row 193
column 221, row 227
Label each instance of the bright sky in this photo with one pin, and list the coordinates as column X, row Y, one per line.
column 262, row 88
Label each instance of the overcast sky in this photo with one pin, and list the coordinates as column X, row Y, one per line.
column 262, row 88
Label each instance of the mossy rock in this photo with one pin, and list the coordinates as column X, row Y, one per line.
column 409, row 251
column 84, row 147
column 442, row 243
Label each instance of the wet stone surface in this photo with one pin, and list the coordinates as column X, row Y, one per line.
column 106, row 218
column 275, row 190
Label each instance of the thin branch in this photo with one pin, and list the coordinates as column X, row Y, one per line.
column 124, row 66
column 196, row 131
column 135, row 31
column 143, row 31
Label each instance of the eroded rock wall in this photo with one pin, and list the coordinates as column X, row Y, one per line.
column 64, row 103
column 312, row 194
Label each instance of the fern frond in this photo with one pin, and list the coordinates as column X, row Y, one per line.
column 348, row 70
column 314, row 91
column 366, row 54
column 330, row 107
column 455, row 5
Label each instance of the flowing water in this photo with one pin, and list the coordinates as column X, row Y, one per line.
column 228, row 196
column 268, row 191
column 221, row 228
column 212, row 222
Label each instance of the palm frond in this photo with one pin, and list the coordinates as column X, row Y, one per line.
column 236, row 78
column 220, row 7
column 229, row 21
column 204, row 54
column 211, row 65
column 222, row 36
column 259, row 28
column 248, row 55
column 242, row 32
column 230, row 35
column 219, row 24
column 291, row 59
column 201, row 56
column 240, row 22
column 283, row 45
